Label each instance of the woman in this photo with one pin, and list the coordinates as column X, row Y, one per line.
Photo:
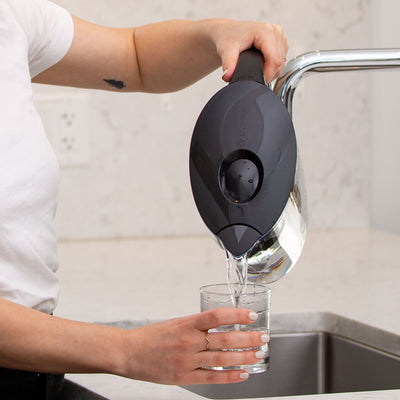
column 41, row 42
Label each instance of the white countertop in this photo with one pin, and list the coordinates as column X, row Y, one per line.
column 353, row 273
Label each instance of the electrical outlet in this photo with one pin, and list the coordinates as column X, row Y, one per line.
column 65, row 119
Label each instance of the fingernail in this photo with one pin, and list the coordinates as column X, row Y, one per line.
column 253, row 315
column 244, row 375
column 260, row 354
column 265, row 338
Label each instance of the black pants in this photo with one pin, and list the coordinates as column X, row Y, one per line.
column 24, row 385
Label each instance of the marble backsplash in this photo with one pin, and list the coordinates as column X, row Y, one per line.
column 137, row 182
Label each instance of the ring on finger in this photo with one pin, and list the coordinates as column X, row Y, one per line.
column 207, row 342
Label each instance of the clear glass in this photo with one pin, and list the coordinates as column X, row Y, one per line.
column 256, row 298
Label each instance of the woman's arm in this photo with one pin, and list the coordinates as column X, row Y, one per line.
column 162, row 57
column 34, row 341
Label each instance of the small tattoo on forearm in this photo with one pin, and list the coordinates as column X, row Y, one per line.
column 115, row 83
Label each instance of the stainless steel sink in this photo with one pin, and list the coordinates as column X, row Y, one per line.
column 330, row 360
column 312, row 363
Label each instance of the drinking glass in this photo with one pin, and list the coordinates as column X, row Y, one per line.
column 256, row 298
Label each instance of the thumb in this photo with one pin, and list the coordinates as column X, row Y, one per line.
column 229, row 58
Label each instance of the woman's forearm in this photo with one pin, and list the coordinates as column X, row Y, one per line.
column 34, row 341
column 174, row 54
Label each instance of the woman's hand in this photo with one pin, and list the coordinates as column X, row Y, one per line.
column 232, row 37
column 174, row 351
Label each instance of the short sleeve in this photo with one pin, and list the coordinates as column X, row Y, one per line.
column 49, row 31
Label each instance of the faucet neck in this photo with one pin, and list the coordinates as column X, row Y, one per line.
column 331, row 60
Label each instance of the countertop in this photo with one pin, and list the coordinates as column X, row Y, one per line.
column 352, row 273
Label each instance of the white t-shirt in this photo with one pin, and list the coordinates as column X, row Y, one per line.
column 34, row 35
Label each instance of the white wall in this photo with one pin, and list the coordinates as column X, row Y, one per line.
column 385, row 122
column 137, row 184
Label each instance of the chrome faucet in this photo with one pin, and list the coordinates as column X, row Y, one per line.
column 331, row 60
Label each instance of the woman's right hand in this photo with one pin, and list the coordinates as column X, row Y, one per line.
column 175, row 351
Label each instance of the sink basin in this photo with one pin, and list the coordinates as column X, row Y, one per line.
column 329, row 360
column 312, row 363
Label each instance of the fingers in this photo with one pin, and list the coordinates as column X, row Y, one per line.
column 229, row 57
column 223, row 316
column 208, row 359
column 270, row 39
column 272, row 42
column 220, row 377
column 236, row 340
column 204, row 373
column 250, row 342
column 201, row 376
